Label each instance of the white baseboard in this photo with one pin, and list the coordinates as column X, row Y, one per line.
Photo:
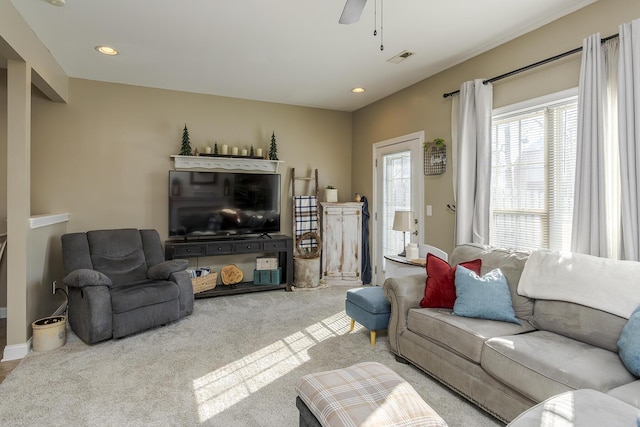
column 3, row 312
column 16, row 351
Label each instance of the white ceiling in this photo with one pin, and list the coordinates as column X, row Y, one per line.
column 284, row 51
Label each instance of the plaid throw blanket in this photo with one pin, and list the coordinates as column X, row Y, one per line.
column 306, row 219
column 367, row 394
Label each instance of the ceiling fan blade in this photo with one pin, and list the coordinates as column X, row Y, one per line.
column 352, row 11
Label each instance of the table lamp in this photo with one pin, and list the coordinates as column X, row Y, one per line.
column 403, row 221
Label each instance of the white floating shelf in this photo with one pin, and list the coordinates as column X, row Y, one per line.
column 206, row 162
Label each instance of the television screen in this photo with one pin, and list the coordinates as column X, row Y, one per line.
column 209, row 204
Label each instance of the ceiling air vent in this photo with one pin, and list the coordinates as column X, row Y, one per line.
column 400, row 57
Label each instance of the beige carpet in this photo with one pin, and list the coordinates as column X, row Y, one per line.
column 234, row 362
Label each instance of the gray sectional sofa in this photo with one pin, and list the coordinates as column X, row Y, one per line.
column 571, row 312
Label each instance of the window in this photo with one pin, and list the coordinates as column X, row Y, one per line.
column 397, row 196
column 533, row 154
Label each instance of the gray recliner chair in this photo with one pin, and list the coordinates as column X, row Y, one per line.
column 120, row 284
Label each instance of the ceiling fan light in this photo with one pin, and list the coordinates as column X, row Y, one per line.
column 352, row 11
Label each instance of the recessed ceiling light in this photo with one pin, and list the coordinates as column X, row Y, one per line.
column 57, row 2
column 106, row 50
column 358, row 90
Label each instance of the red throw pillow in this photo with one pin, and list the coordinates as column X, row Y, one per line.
column 440, row 291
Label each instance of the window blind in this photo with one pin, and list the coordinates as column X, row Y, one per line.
column 532, row 180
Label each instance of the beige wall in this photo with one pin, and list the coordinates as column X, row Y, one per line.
column 422, row 107
column 104, row 156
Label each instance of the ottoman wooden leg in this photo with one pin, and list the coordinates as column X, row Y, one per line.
column 353, row 323
column 373, row 338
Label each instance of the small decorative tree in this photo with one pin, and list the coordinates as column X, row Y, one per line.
column 251, row 152
column 273, row 148
column 185, row 150
column 215, row 148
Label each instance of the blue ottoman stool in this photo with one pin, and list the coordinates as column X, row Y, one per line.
column 369, row 307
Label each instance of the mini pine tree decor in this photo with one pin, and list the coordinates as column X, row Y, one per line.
column 251, row 152
column 273, row 148
column 215, row 148
column 185, row 149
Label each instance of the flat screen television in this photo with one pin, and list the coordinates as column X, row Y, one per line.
column 221, row 204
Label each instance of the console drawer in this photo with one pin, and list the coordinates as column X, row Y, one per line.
column 248, row 247
column 273, row 246
column 189, row 251
column 219, row 248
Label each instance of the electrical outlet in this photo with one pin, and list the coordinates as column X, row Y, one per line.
column 54, row 284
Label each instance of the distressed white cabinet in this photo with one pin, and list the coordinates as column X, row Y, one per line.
column 342, row 242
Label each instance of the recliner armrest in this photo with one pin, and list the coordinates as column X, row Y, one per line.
column 164, row 270
column 84, row 277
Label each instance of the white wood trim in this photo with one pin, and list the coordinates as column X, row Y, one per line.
column 205, row 162
column 376, row 258
column 16, row 351
column 529, row 103
column 38, row 221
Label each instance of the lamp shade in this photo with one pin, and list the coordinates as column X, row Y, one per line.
column 403, row 221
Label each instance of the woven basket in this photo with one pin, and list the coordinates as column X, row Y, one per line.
column 204, row 283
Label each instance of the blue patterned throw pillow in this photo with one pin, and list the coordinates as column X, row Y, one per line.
column 483, row 297
column 629, row 343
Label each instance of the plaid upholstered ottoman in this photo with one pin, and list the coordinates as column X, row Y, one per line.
column 365, row 394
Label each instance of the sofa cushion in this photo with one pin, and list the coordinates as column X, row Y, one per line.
column 580, row 408
column 130, row 297
column 629, row 393
column 485, row 297
column 440, row 291
column 511, row 262
column 541, row 364
column 629, row 343
column 463, row 335
column 581, row 323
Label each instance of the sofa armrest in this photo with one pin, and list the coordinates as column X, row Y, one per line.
column 163, row 270
column 84, row 277
column 404, row 293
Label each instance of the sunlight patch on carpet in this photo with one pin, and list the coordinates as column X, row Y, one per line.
column 224, row 387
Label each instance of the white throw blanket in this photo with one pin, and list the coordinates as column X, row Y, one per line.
column 601, row 283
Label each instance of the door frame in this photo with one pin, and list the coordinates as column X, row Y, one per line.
column 415, row 142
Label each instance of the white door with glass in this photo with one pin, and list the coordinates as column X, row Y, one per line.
column 398, row 185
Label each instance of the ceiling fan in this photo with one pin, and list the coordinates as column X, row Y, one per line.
column 352, row 11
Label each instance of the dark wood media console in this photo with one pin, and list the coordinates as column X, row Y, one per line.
column 280, row 245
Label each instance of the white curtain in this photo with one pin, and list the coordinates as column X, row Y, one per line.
column 610, row 49
column 473, row 162
column 588, row 234
column 629, row 134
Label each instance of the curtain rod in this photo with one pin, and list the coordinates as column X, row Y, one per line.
column 528, row 67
